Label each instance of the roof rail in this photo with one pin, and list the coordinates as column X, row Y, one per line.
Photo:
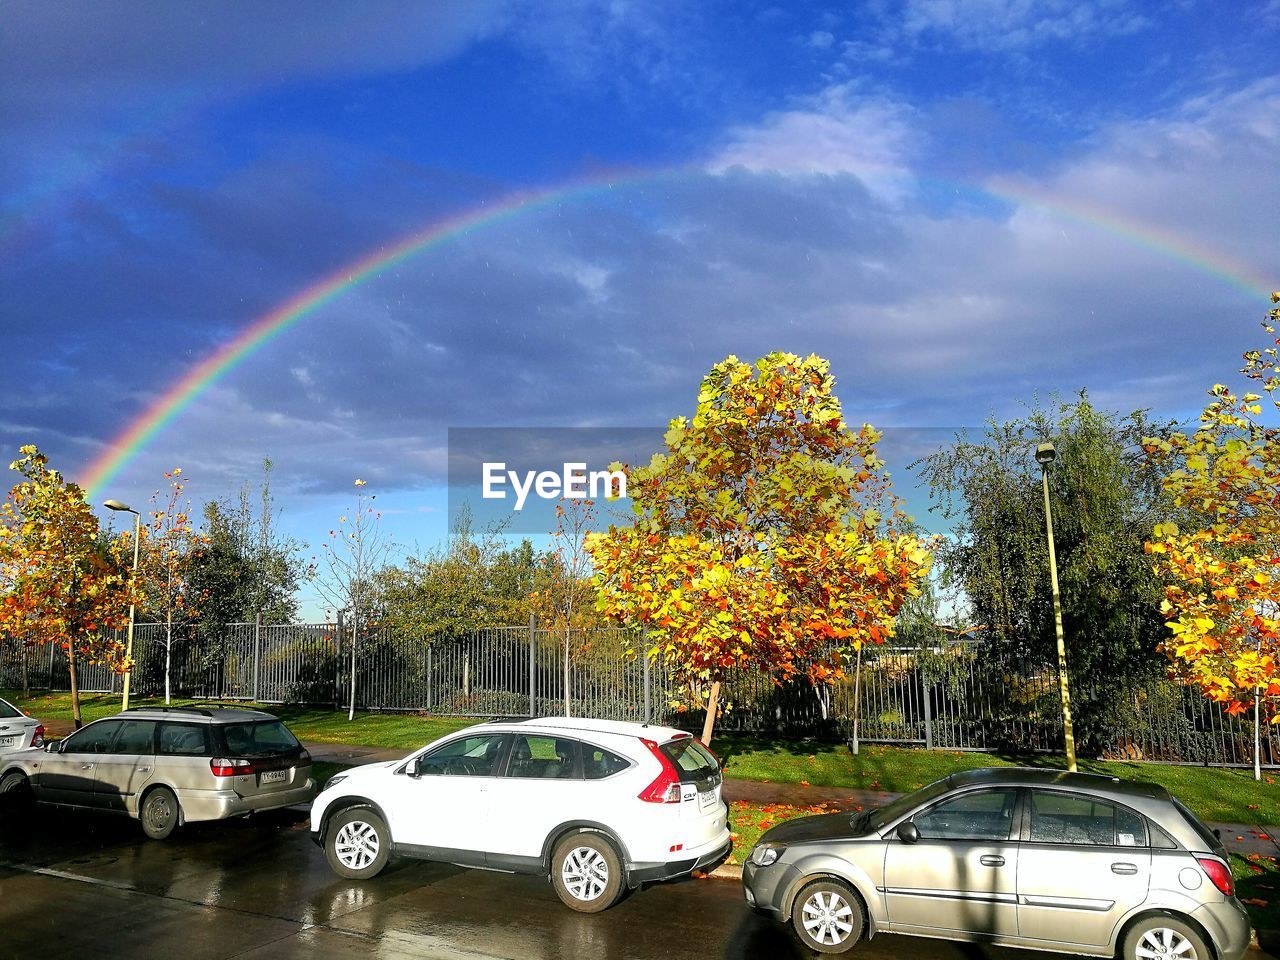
column 199, row 710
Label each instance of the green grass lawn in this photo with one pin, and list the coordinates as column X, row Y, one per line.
column 1215, row 794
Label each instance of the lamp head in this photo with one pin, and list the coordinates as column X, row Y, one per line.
column 117, row 505
column 1045, row 454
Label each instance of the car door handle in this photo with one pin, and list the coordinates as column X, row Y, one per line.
column 991, row 860
column 1124, row 869
column 86, row 766
column 144, row 769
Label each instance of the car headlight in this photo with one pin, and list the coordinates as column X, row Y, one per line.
column 766, row 853
column 336, row 779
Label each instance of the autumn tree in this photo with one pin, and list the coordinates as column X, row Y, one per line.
column 1222, row 563
column 169, row 549
column 354, row 554
column 765, row 537
column 564, row 598
column 61, row 581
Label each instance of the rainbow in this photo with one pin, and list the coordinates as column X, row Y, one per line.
column 184, row 391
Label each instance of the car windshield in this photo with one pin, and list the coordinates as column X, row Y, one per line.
column 259, row 739
column 8, row 710
column 878, row 818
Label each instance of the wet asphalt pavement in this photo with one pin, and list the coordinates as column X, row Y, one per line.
column 76, row 886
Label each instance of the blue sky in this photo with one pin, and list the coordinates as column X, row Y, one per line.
column 850, row 180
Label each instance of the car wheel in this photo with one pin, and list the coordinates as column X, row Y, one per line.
column 828, row 916
column 357, row 843
column 159, row 814
column 1164, row 936
column 586, row 872
column 15, row 792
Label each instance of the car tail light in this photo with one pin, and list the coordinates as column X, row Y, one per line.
column 1218, row 874
column 666, row 785
column 37, row 739
column 223, row 767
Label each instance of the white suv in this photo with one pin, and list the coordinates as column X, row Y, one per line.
column 599, row 806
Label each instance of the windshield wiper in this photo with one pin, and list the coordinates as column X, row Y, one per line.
column 859, row 821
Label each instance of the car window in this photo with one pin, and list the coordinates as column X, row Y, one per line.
column 136, row 737
column 1206, row 835
column 693, row 761
column 8, row 710
column 598, row 763
column 980, row 815
column 543, row 758
column 1080, row 819
column 95, row 738
column 473, row 756
column 259, row 739
column 182, row 740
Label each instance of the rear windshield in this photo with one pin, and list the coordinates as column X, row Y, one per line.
column 1211, row 840
column 7, row 710
column 693, row 761
column 260, row 739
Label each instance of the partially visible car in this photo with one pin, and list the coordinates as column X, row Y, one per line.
column 597, row 806
column 1061, row 862
column 166, row 766
column 17, row 730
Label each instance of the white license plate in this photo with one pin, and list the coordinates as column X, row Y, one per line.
column 275, row 776
column 8, row 741
column 707, row 800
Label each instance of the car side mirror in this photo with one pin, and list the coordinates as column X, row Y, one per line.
column 908, row 832
column 414, row 770
column 53, row 746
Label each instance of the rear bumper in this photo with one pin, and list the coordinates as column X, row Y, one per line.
column 670, row 869
column 1228, row 926
column 221, row 804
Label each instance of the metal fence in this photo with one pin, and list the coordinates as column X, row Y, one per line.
column 956, row 698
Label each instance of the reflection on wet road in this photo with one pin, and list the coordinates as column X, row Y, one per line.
column 78, row 886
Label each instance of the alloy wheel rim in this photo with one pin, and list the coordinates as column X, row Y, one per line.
column 1165, row 943
column 356, row 845
column 827, row 918
column 585, row 873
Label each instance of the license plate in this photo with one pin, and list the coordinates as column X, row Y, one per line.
column 707, row 800
column 8, row 741
column 275, row 776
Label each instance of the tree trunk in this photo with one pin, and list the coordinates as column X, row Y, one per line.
column 713, row 701
column 75, row 689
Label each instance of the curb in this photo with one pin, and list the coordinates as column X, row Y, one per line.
column 726, row 871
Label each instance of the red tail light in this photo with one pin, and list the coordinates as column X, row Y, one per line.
column 37, row 738
column 1218, row 874
column 223, row 767
column 666, row 786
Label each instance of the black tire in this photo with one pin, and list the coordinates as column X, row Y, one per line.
column 357, row 843
column 16, row 795
column 1162, row 932
column 586, row 872
column 828, row 917
column 159, row 813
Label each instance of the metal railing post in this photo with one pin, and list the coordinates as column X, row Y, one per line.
column 337, row 673
column 257, row 656
column 644, row 652
column 533, row 665
column 928, row 714
column 428, row 704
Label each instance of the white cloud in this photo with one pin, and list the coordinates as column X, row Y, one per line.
column 840, row 130
column 1005, row 25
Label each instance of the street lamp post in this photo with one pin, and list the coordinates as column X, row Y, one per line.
column 137, row 535
column 1045, row 454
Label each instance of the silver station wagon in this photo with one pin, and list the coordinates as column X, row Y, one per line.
column 166, row 766
column 1070, row 863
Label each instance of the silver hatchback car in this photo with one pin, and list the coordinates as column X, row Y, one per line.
column 1070, row 863
column 166, row 766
